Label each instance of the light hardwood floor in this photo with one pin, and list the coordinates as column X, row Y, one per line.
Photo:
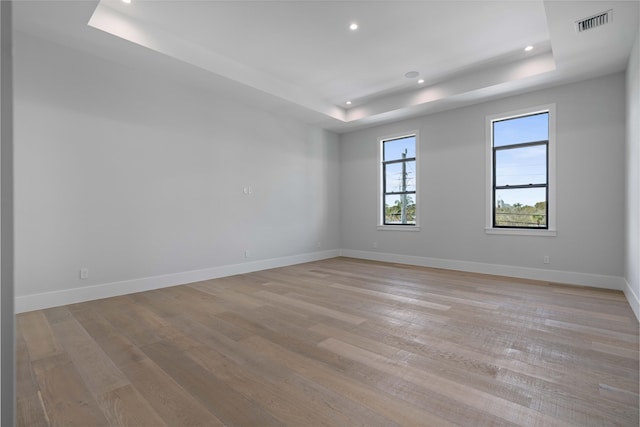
column 340, row 342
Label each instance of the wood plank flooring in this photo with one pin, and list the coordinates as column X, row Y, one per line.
column 339, row 342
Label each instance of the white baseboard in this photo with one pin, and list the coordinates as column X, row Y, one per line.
column 633, row 299
column 74, row 295
column 556, row 276
column 39, row 301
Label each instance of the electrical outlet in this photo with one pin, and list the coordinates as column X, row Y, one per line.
column 247, row 253
column 546, row 259
column 375, row 245
column 84, row 273
column 318, row 245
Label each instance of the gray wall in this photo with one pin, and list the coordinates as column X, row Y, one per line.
column 133, row 176
column 590, row 186
column 632, row 224
column 7, row 359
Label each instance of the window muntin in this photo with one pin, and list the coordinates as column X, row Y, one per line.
column 520, row 187
column 399, row 168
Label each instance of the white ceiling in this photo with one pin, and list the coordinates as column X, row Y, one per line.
column 301, row 58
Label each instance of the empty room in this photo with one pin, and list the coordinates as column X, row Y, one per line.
column 320, row 213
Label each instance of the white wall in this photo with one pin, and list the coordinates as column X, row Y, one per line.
column 588, row 248
column 141, row 179
column 632, row 156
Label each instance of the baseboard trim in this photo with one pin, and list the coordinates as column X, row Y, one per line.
column 633, row 299
column 44, row 300
column 556, row 276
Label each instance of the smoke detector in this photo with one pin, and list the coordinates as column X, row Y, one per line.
column 594, row 21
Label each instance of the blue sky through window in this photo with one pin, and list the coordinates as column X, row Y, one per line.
column 522, row 165
column 523, row 196
column 394, row 177
column 521, row 129
column 394, row 148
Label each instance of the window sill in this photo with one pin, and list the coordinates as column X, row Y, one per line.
column 521, row 232
column 399, row 227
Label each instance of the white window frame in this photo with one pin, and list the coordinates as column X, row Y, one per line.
column 381, row 224
column 551, row 183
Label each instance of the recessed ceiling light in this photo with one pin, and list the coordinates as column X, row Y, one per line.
column 421, row 81
column 348, row 102
column 126, row 1
column 411, row 74
column 353, row 26
column 528, row 48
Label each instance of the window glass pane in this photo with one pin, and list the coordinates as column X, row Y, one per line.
column 521, row 129
column 395, row 148
column 521, row 166
column 394, row 174
column 399, row 208
column 521, row 207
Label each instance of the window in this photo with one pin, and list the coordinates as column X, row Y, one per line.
column 521, row 167
column 398, row 171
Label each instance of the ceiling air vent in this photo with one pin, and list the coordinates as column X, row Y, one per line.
column 594, row 21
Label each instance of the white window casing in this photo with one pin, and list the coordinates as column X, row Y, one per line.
column 551, row 229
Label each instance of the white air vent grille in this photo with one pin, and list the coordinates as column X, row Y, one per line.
column 594, row 21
